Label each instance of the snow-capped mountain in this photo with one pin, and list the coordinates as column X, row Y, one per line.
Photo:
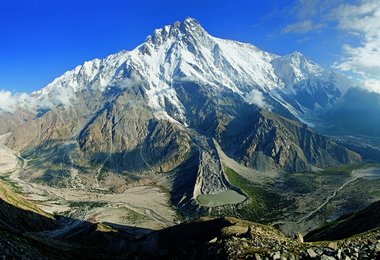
column 175, row 52
column 220, row 127
column 295, row 67
column 179, row 104
column 183, row 52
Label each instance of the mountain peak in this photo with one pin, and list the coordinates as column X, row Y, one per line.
column 191, row 22
column 177, row 30
column 295, row 56
column 296, row 53
column 294, row 67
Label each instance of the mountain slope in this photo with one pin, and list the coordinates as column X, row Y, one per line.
column 19, row 215
column 282, row 144
column 349, row 225
column 357, row 112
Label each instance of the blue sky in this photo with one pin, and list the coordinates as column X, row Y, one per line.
column 40, row 40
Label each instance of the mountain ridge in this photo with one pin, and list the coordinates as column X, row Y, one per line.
column 181, row 42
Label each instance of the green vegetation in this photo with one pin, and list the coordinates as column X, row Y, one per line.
column 263, row 205
column 54, row 177
column 345, row 169
column 13, row 200
column 375, row 193
column 101, row 227
column 11, row 184
column 87, row 204
column 134, row 217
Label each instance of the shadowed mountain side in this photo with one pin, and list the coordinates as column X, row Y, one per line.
column 221, row 238
column 183, row 182
column 18, row 238
column 26, row 246
column 19, row 220
column 358, row 112
column 25, row 233
column 184, row 241
column 349, row 225
column 18, row 214
column 103, row 239
column 26, row 230
column 231, row 238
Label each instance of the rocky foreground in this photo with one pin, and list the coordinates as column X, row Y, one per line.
column 222, row 238
column 252, row 241
column 23, row 235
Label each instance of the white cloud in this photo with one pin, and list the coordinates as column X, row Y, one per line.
column 304, row 26
column 59, row 96
column 129, row 82
column 256, row 97
column 372, row 84
column 310, row 9
column 9, row 101
column 360, row 19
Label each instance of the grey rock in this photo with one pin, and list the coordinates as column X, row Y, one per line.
column 311, row 253
column 213, row 240
column 333, row 245
column 326, row 257
column 276, row 255
column 339, row 254
column 257, row 256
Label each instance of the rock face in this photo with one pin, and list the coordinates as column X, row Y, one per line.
column 152, row 109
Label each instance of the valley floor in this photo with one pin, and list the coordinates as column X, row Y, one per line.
column 8, row 161
column 294, row 203
column 146, row 207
